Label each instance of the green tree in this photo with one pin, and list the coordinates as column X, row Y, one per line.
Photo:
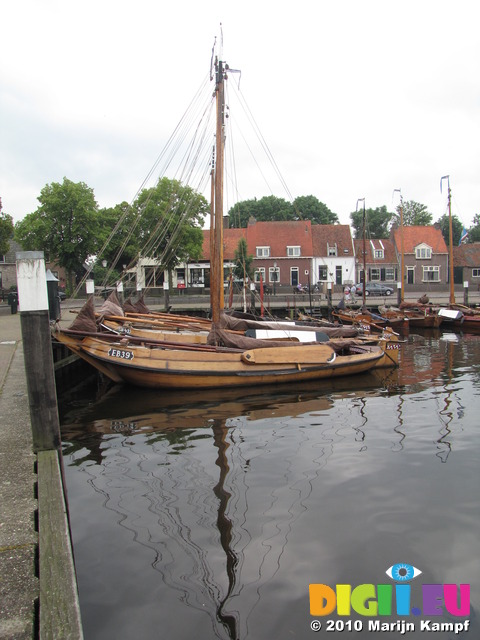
column 240, row 213
column 116, row 242
column 170, row 222
column 377, row 222
column 6, row 230
column 310, row 208
column 444, row 225
column 474, row 231
column 243, row 261
column 414, row 214
column 266, row 209
column 64, row 226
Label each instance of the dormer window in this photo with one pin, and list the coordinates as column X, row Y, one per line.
column 423, row 252
column 331, row 249
column 263, row 252
column 379, row 254
column 293, row 252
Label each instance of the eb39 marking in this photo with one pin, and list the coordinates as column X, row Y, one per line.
column 123, row 354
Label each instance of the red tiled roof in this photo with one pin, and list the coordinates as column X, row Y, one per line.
column 279, row 235
column 376, row 244
column 414, row 236
column 467, row 255
column 325, row 235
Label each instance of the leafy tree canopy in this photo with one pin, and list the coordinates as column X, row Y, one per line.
column 444, row 225
column 414, row 214
column 310, row 208
column 64, row 226
column 271, row 208
column 474, row 231
column 170, row 219
column 377, row 222
column 6, row 230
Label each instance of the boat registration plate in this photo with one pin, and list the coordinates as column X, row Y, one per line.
column 123, row 354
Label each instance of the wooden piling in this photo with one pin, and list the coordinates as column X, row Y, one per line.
column 37, row 348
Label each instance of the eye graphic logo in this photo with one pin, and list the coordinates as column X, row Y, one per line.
column 402, row 572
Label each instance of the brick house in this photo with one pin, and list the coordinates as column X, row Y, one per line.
column 466, row 265
column 425, row 257
column 282, row 251
column 380, row 261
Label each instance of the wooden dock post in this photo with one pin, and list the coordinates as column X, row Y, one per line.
column 37, row 347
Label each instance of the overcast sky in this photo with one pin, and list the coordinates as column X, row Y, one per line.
column 354, row 98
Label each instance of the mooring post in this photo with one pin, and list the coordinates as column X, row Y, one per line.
column 90, row 288
column 37, row 348
column 329, row 301
column 465, row 293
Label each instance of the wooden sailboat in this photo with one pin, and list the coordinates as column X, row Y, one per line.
column 226, row 359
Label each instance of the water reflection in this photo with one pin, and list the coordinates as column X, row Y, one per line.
column 211, row 513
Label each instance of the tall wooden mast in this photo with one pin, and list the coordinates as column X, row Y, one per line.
column 364, row 251
column 402, row 250
column 450, row 243
column 216, row 266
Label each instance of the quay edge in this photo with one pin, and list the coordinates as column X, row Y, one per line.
column 38, row 591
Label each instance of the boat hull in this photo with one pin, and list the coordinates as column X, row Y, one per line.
column 432, row 321
column 468, row 324
column 190, row 369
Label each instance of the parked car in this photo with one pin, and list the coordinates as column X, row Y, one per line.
column 374, row 289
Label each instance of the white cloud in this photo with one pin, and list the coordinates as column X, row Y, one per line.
column 354, row 99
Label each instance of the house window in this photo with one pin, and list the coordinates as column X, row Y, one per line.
column 273, row 274
column 431, row 274
column 374, row 275
column 423, row 253
column 263, row 252
column 293, row 252
column 379, row 254
column 390, row 274
column 2, row 258
column 475, row 273
column 260, row 272
column 323, row 273
column 332, row 250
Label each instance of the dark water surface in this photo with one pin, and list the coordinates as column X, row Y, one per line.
column 208, row 515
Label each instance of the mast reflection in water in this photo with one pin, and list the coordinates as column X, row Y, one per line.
column 209, row 515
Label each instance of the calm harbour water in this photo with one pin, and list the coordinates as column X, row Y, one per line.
column 208, row 515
